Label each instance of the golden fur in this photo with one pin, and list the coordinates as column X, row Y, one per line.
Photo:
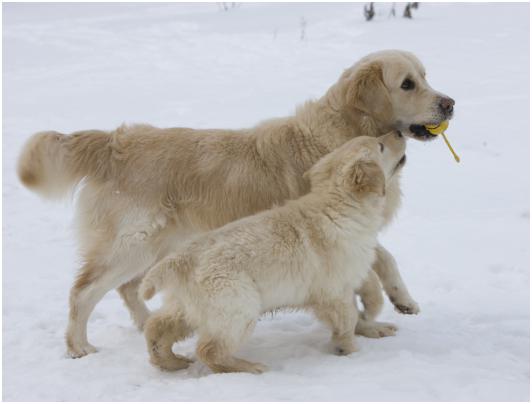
column 310, row 253
column 143, row 188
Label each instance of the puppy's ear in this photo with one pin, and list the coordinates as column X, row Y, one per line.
column 368, row 177
column 366, row 91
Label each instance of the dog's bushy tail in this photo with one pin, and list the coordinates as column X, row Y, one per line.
column 162, row 273
column 52, row 164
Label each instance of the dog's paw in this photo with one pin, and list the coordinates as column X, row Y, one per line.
column 79, row 351
column 257, row 368
column 345, row 350
column 236, row 365
column 345, row 346
column 409, row 307
column 375, row 329
column 342, row 351
column 172, row 363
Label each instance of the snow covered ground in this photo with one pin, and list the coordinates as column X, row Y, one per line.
column 461, row 239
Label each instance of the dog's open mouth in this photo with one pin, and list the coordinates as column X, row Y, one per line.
column 421, row 133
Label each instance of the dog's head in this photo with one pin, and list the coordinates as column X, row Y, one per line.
column 361, row 167
column 391, row 88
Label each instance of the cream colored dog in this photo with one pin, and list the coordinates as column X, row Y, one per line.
column 144, row 189
column 310, row 253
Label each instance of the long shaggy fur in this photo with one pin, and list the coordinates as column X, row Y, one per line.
column 145, row 188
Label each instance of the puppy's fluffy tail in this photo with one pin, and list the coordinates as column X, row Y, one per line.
column 52, row 164
column 162, row 274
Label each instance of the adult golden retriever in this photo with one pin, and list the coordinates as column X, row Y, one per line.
column 310, row 253
column 144, row 188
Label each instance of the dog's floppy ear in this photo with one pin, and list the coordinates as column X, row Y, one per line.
column 366, row 91
column 367, row 177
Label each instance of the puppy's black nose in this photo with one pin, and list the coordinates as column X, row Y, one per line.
column 447, row 105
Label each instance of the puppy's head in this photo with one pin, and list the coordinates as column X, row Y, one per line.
column 361, row 167
column 391, row 87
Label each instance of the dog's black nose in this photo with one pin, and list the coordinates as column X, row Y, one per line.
column 447, row 105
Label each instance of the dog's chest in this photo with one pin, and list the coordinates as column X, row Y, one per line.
column 351, row 262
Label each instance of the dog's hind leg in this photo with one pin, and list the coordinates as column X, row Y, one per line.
column 216, row 351
column 232, row 313
column 162, row 330
column 386, row 268
column 137, row 309
column 91, row 284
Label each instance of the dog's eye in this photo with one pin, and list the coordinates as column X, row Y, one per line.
column 382, row 147
column 408, row 84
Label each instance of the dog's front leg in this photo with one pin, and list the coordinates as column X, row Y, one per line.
column 341, row 315
column 386, row 268
column 371, row 296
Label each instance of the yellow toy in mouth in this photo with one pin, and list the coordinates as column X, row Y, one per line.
column 439, row 130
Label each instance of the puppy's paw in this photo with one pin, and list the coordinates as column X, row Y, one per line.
column 172, row 363
column 375, row 329
column 238, row 365
column 408, row 307
column 341, row 351
column 344, row 346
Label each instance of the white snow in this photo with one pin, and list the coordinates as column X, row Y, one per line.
column 461, row 239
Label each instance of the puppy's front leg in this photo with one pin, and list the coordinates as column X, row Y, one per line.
column 371, row 296
column 341, row 316
column 386, row 268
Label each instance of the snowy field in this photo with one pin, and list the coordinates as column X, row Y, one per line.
column 461, row 239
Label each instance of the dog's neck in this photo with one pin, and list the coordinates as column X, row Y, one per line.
column 317, row 128
column 325, row 127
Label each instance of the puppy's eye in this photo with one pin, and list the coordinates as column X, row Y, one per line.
column 382, row 147
column 408, row 84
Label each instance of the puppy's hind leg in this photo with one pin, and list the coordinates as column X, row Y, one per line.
column 231, row 318
column 137, row 309
column 216, row 351
column 386, row 267
column 161, row 331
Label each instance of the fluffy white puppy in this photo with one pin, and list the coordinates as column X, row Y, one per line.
column 311, row 253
